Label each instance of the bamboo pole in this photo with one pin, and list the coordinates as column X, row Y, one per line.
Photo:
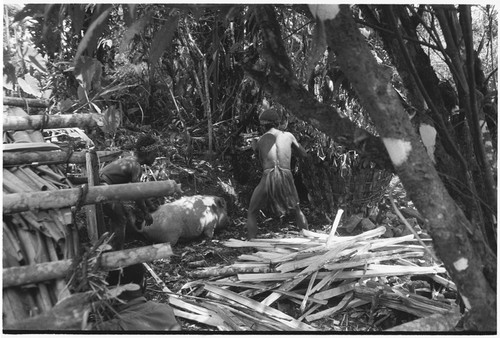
column 36, row 273
column 13, row 183
column 70, row 197
column 51, row 121
column 23, row 102
column 37, row 180
column 14, row 158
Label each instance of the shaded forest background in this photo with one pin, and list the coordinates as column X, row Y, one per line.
column 344, row 82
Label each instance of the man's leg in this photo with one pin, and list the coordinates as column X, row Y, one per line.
column 300, row 218
column 258, row 198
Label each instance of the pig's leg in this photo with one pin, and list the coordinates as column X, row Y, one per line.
column 259, row 197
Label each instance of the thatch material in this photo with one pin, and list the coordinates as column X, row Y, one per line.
column 37, row 239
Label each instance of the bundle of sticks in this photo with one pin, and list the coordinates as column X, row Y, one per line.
column 322, row 273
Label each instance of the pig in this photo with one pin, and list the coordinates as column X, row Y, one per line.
column 186, row 218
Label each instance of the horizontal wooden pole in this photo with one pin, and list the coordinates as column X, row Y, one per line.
column 52, row 157
column 71, row 197
column 27, row 274
column 23, row 102
column 34, row 122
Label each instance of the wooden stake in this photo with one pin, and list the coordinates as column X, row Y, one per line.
column 329, row 241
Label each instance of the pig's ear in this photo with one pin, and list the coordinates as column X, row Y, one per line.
column 215, row 207
column 221, row 203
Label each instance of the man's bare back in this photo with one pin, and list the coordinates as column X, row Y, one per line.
column 275, row 149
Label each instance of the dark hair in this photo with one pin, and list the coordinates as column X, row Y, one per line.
column 130, row 274
column 143, row 142
column 269, row 124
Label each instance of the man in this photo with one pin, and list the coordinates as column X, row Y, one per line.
column 127, row 170
column 135, row 313
column 276, row 187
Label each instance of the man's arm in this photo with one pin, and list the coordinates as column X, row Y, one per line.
column 301, row 150
column 141, row 204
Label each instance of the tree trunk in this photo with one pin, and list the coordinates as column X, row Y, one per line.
column 449, row 228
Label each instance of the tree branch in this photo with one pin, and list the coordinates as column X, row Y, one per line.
column 282, row 84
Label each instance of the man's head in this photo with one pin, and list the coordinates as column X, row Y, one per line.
column 269, row 118
column 146, row 149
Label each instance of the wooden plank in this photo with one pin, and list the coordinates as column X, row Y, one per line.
column 320, row 261
column 371, row 272
column 355, row 262
column 330, row 240
column 339, row 290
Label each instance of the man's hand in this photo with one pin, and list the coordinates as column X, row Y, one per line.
column 148, row 219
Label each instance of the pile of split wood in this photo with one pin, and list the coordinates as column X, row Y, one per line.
column 322, row 274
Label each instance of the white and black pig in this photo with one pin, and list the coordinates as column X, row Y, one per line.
column 186, row 218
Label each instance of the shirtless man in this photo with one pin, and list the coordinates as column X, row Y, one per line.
column 127, row 170
column 276, row 187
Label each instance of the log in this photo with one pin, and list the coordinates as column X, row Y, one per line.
column 22, row 102
column 230, row 270
column 35, row 122
column 15, row 276
column 12, row 158
column 70, row 197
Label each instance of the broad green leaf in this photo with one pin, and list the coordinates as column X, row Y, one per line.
column 112, row 119
column 65, row 105
column 82, row 94
column 87, row 71
column 29, row 85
